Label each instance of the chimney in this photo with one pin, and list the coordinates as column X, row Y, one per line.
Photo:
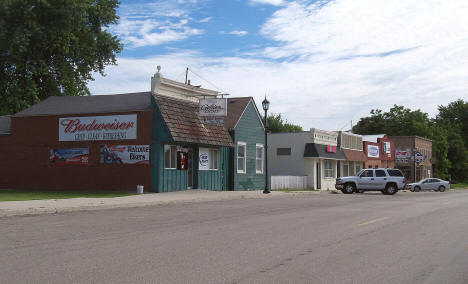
column 156, row 80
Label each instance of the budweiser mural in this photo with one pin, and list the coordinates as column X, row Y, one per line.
column 125, row 154
column 112, row 127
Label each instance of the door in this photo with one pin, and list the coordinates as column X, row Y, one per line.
column 426, row 184
column 319, row 175
column 189, row 169
column 366, row 179
column 380, row 179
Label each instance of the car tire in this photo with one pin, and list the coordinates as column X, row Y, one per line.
column 349, row 188
column 390, row 189
column 417, row 189
column 441, row 188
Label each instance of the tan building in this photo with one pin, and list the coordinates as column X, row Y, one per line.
column 413, row 156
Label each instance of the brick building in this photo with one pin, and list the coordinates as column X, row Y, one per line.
column 379, row 150
column 409, row 147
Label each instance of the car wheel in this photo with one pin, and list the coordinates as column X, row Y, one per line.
column 348, row 189
column 441, row 188
column 417, row 188
column 391, row 189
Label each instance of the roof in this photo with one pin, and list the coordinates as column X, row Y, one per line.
column 61, row 105
column 235, row 109
column 185, row 125
column 313, row 150
column 372, row 138
column 5, row 124
column 354, row 156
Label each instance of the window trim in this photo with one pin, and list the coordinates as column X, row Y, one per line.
column 333, row 169
column 257, row 159
column 240, row 143
column 170, row 157
column 212, row 150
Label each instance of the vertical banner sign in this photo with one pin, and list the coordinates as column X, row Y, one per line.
column 89, row 128
column 74, row 156
column 125, row 154
column 372, row 151
column 203, row 159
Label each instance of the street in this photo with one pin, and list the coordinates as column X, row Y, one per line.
column 304, row 238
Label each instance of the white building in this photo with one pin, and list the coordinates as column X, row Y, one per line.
column 313, row 154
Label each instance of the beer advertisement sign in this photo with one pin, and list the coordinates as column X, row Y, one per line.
column 125, row 154
column 89, row 128
column 73, row 156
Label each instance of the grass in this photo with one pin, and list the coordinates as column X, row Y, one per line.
column 20, row 195
column 459, row 185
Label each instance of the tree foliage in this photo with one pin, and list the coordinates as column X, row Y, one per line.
column 276, row 123
column 448, row 132
column 51, row 47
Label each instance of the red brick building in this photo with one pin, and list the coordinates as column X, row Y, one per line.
column 379, row 151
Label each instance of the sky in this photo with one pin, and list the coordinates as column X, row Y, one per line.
column 321, row 64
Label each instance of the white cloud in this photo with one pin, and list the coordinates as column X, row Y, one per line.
column 236, row 33
column 268, row 2
column 156, row 23
column 338, row 60
column 205, row 20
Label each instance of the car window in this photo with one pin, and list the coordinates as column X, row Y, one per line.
column 367, row 173
column 435, row 180
column 395, row 173
column 380, row 173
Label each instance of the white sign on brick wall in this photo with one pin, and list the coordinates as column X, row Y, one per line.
column 88, row 128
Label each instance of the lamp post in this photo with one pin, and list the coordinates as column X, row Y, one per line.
column 266, row 105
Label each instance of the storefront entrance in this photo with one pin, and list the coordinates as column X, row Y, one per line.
column 190, row 169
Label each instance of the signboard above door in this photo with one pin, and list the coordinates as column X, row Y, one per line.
column 212, row 107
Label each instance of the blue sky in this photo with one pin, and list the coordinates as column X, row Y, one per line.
column 321, row 63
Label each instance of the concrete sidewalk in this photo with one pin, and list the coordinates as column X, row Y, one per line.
column 32, row 207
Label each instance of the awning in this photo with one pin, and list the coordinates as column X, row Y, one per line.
column 354, row 156
column 313, row 150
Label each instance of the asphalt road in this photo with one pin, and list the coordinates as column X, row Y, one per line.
column 315, row 238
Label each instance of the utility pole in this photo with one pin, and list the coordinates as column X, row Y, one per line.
column 186, row 76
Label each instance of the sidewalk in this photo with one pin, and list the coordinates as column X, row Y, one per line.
column 33, row 207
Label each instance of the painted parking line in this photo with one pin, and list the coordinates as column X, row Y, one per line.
column 372, row 221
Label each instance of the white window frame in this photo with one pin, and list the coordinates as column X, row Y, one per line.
column 346, row 164
column 213, row 158
column 170, row 147
column 326, row 171
column 261, row 159
column 240, row 143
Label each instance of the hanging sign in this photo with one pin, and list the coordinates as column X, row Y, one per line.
column 212, row 107
column 125, row 154
column 372, row 151
column 86, row 128
column 73, row 156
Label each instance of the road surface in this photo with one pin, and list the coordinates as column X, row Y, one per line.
column 311, row 238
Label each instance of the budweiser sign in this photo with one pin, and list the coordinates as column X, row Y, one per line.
column 88, row 128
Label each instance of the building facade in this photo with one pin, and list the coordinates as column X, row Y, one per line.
column 115, row 142
column 352, row 146
column 379, row 150
column 413, row 156
column 313, row 154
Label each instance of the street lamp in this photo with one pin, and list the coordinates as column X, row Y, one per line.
column 266, row 105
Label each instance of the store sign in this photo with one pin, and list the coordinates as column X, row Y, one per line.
column 418, row 157
column 402, row 156
column 212, row 107
column 125, row 154
column 372, row 151
column 204, row 159
column 88, row 128
column 73, row 156
column 386, row 149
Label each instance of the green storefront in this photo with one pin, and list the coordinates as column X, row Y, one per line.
column 188, row 154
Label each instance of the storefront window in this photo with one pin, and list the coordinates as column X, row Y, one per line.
column 259, row 159
column 345, row 169
column 213, row 159
column 241, row 157
column 329, row 171
column 170, row 157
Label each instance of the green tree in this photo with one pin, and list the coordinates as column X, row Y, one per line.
column 277, row 124
column 51, row 47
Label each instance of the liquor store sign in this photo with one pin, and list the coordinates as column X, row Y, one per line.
column 89, row 128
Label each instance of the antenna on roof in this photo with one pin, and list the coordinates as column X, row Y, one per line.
column 186, row 76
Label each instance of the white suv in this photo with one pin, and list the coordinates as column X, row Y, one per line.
column 388, row 181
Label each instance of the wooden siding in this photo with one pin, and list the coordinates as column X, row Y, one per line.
column 250, row 130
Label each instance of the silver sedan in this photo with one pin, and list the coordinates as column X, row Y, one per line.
column 430, row 184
